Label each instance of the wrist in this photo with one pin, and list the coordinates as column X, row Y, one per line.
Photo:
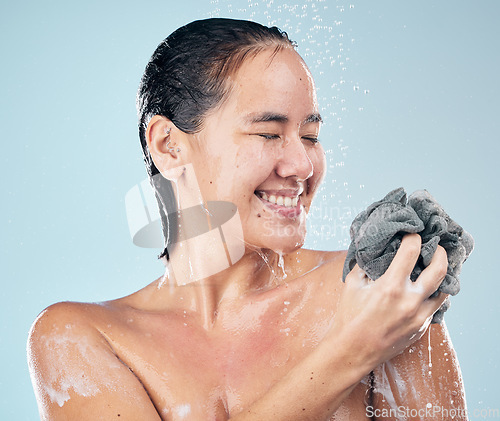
column 348, row 355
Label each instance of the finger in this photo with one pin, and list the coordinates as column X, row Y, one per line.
column 406, row 257
column 431, row 305
column 432, row 276
column 357, row 276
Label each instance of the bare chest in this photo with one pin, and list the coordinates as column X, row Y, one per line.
column 191, row 372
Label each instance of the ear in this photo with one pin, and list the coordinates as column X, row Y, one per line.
column 168, row 147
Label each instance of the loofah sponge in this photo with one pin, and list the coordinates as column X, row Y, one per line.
column 376, row 235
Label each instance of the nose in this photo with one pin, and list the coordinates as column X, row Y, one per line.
column 294, row 160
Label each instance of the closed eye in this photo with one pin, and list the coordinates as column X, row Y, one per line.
column 311, row 139
column 268, row 136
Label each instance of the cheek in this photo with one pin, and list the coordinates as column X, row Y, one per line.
column 252, row 166
column 236, row 178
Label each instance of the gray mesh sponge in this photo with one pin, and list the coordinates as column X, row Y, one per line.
column 376, row 235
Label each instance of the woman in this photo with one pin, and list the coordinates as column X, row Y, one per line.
column 245, row 324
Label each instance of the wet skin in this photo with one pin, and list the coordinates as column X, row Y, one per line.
column 164, row 349
column 262, row 141
column 210, row 349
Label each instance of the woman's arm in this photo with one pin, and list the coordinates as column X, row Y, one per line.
column 421, row 383
column 313, row 390
column 76, row 375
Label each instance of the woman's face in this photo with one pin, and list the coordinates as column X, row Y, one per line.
column 259, row 149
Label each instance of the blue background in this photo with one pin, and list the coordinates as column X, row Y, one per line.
column 409, row 93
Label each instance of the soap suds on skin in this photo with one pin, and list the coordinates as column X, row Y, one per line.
column 61, row 378
column 398, row 379
column 64, row 376
column 183, row 410
column 383, row 386
column 342, row 414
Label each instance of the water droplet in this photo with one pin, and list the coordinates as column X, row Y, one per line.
column 281, row 264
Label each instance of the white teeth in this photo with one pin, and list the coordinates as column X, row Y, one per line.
column 285, row 201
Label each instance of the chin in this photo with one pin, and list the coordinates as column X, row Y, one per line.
column 277, row 234
column 289, row 248
column 281, row 244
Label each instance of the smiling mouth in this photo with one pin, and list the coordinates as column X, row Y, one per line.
column 285, row 201
column 288, row 205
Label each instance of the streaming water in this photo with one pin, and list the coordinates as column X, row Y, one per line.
column 322, row 30
column 281, row 264
column 429, row 348
column 325, row 45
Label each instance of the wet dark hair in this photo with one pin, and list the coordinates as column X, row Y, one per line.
column 186, row 77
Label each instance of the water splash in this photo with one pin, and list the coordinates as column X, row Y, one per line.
column 281, row 264
column 322, row 30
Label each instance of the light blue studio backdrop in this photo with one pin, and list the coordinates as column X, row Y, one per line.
column 409, row 92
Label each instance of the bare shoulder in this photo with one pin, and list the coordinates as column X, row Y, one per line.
column 328, row 256
column 322, row 259
column 326, row 264
column 61, row 323
column 73, row 368
column 58, row 313
column 66, row 319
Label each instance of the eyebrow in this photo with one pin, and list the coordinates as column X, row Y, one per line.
column 313, row 118
column 267, row 116
column 281, row 118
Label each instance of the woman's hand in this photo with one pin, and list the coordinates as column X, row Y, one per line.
column 379, row 319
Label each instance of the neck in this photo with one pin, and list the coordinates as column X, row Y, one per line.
column 210, row 265
column 257, row 271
